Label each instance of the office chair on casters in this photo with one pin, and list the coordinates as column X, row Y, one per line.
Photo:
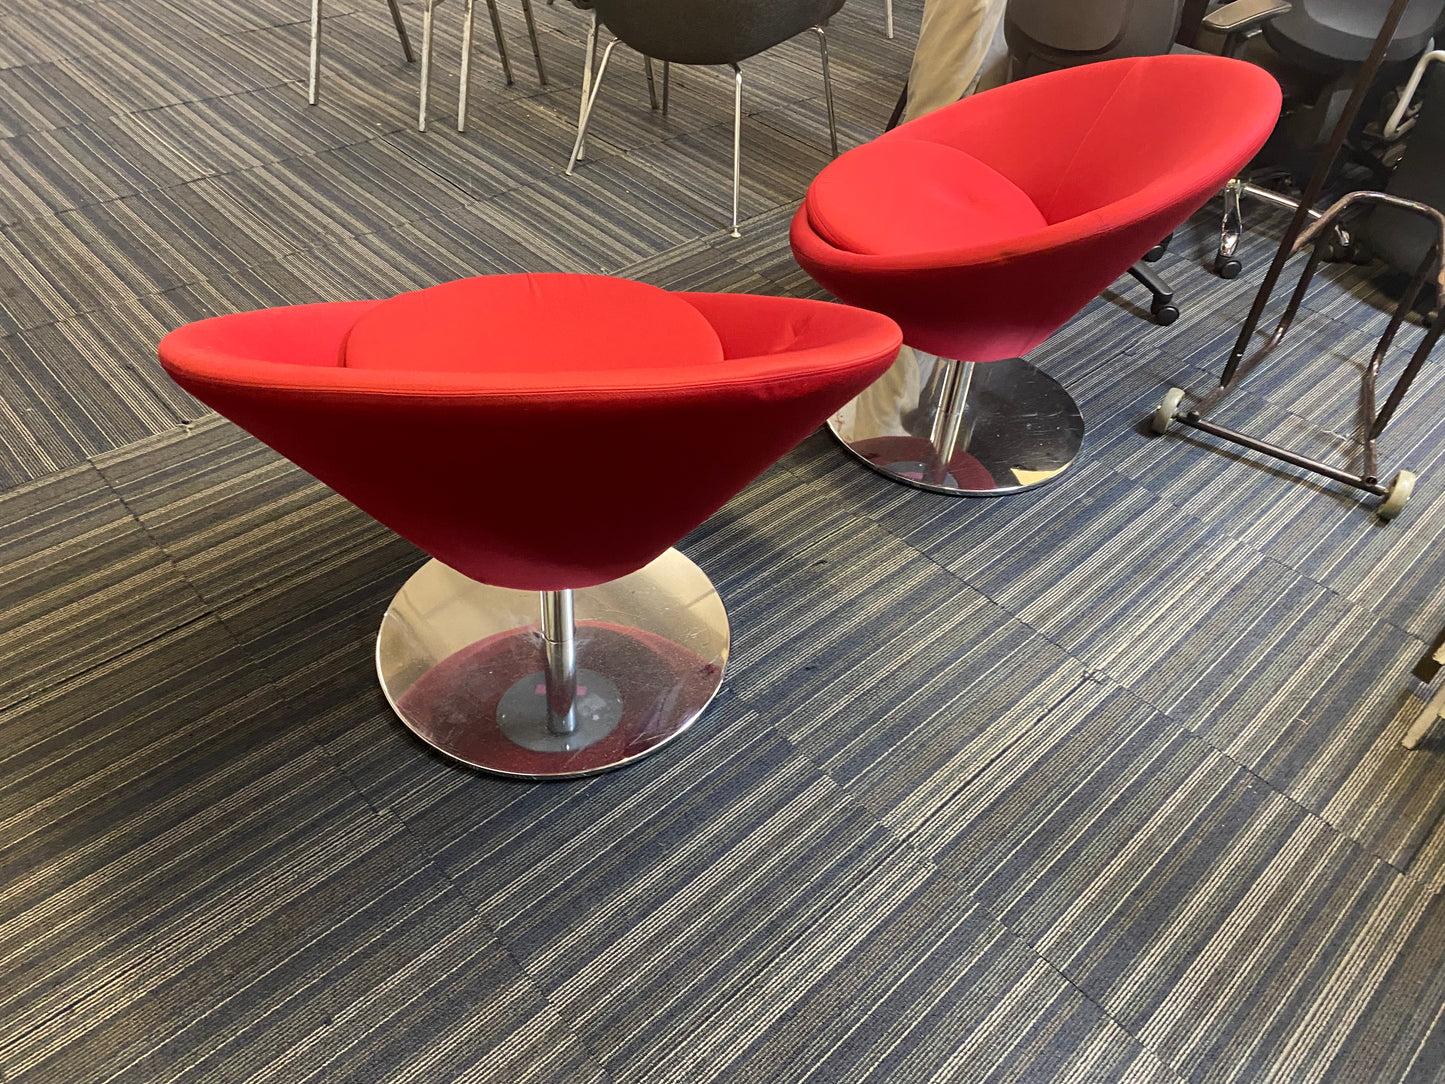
column 708, row 32
column 1314, row 47
column 1049, row 35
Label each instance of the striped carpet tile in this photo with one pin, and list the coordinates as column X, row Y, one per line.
column 270, row 875
column 1178, row 846
column 934, row 989
column 267, row 547
column 82, row 582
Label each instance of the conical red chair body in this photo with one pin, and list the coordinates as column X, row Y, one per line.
column 537, row 432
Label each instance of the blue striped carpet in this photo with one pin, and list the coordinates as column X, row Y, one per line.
column 1098, row 784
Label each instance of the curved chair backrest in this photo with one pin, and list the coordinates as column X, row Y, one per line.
column 1329, row 34
column 526, row 476
column 710, row 31
column 1072, row 143
column 1045, row 35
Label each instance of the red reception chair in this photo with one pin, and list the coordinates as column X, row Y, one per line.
column 541, row 433
column 984, row 226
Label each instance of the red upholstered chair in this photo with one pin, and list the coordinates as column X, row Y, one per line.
column 541, row 433
column 985, row 226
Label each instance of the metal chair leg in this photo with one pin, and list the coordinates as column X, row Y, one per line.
column 737, row 145
column 651, row 81
column 536, row 45
column 313, row 82
column 501, row 41
column 401, row 31
column 888, row 16
column 666, row 83
column 591, row 101
column 589, row 65
column 426, row 48
column 464, row 84
column 828, row 87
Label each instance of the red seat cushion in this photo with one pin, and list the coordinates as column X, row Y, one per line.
column 532, row 324
column 906, row 195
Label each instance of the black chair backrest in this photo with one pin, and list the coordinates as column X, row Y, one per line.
column 1045, row 35
column 709, row 31
column 1399, row 237
column 1326, row 35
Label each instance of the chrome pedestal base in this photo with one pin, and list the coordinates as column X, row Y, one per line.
column 970, row 430
column 464, row 666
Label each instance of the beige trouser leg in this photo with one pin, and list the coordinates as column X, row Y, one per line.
column 952, row 44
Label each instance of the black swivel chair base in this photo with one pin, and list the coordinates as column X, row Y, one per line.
column 963, row 428
column 554, row 684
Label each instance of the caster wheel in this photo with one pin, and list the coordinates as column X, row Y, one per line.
column 1168, row 407
column 1227, row 267
column 1164, row 315
column 1399, row 492
column 1155, row 254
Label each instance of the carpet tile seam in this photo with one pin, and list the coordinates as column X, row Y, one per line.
column 1054, row 968
column 475, row 906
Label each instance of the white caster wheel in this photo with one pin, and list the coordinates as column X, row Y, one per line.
column 1168, row 407
column 1398, row 493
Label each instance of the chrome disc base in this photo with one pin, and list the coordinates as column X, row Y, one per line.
column 983, row 430
column 461, row 664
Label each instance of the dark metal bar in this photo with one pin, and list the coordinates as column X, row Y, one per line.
column 1315, row 186
column 401, row 31
column 1407, row 378
column 1293, row 458
column 1373, row 428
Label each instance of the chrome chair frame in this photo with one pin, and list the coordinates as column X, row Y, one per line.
column 591, row 85
column 466, row 73
column 314, row 80
column 1231, row 229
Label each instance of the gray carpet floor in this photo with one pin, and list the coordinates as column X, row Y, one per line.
column 1098, row 783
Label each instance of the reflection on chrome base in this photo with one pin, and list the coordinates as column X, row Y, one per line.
column 557, row 684
column 970, row 430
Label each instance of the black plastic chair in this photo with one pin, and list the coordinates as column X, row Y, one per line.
column 1314, row 47
column 707, row 32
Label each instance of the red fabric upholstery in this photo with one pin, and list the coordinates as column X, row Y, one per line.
column 482, row 325
column 935, row 197
column 536, row 477
column 1112, row 157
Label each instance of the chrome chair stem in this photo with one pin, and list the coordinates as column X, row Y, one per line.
column 822, row 29
column 559, row 639
column 651, row 82
column 591, row 101
column 887, row 18
column 737, row 145
column 949, row 420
